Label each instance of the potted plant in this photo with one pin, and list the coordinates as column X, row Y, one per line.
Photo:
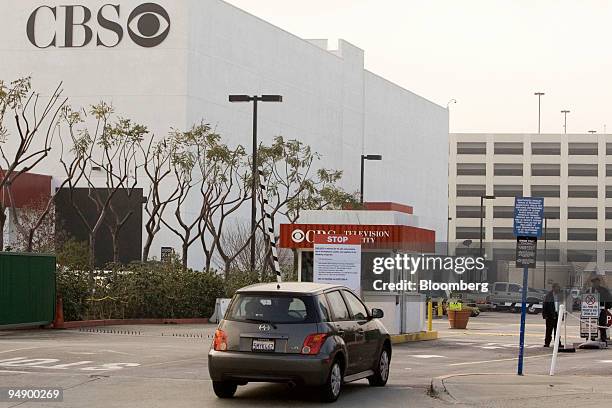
column 458, row 314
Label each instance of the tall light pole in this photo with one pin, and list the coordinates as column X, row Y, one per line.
column 539, row 95
column 363, row 159
column 565, row 112
column 448, row 234
column 482, row 198
column 255, row 178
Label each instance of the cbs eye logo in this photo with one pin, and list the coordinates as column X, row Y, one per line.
column 298, row 236
column 148, row 25
column 149, row 19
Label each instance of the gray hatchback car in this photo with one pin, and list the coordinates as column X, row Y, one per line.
column 301, row 333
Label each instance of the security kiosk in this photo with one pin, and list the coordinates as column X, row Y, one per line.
column 384, row 230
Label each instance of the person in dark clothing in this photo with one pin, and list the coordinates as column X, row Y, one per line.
column 550, row 312
column 605, row 302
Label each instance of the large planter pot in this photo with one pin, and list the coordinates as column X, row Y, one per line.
column 458, row 319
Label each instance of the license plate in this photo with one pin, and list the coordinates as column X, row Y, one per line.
column 263, row 345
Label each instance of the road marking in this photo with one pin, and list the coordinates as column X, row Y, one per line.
column 14, row 372
column 69, row 365
column 491, row 347
column 18, row 349
column 48, row 363
column 427, row 356
column 605, row 361
column 495, row 361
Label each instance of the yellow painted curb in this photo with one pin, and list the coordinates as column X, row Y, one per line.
column 420, row 336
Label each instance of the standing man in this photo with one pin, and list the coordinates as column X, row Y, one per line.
column 550, row 312
column 605, row 302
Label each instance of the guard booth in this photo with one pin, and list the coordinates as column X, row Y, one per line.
column 385, row 229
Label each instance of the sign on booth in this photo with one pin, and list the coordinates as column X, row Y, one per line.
column 337, row 260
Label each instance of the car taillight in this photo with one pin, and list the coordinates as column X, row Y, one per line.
column 313, row 343
column 220, row 340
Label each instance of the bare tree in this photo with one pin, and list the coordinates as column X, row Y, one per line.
column 230, row 182
column 30, row 121
column 36, row 231
column 189, row 149
column 158, row 168
column 292, row 184
column 110, row 150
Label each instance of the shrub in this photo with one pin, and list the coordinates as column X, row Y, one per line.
column 139, row 290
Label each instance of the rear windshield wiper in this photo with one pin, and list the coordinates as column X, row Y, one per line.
column 261, row 321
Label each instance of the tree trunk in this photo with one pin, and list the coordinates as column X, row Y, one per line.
column 30, row 240
column 147, row 247
column 92, row 262
column 2, row 222
column 227, row 268
column 184, row 260
column 115, row 237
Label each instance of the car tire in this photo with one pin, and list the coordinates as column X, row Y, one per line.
column 330, row 391
column 381, row 371
column 224, row 389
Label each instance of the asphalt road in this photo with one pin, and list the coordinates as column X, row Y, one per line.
column 165, row 366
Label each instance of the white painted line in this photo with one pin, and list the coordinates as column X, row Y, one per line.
column 18, row 349
column 14, row 372
column 491, row 347
column 606, row 361
column 427, row 356
column 495, row 361
column 69, row 365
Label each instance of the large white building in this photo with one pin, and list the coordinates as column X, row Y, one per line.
column 573, row 172
column 174, row 63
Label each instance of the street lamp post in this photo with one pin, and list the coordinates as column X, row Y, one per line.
column 539, row 95
column 565, row 112
column 363, row 159
column 448, row 234
column 255, row 178
column 482, row 198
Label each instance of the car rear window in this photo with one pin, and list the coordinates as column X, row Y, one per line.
column 272, row 308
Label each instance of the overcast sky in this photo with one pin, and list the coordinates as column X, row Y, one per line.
column 490, row 55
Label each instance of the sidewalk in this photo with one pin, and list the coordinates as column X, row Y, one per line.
column 511, row 390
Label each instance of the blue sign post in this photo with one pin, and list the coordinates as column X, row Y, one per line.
column 528, row 215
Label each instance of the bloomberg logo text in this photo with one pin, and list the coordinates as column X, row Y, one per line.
column 147, row 25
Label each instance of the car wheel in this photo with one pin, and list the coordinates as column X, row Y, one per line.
column 381, row 372
column 330, row 391
column 224, row 389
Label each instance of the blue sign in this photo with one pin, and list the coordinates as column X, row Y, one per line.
column 528, row 215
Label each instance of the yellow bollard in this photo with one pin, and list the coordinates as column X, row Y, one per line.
column 440, row 310
column 430, row 315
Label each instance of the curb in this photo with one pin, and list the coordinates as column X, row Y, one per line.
column 437, row 389
column 126, row 322
column 409, row 337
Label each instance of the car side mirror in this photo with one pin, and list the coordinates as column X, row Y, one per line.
column 377, row 314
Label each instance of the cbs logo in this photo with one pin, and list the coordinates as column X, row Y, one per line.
column 298, row 236
column 147, row 25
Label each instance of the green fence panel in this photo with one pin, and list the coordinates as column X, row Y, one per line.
column 27, row 289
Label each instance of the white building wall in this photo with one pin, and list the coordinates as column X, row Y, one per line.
column 215, row 49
